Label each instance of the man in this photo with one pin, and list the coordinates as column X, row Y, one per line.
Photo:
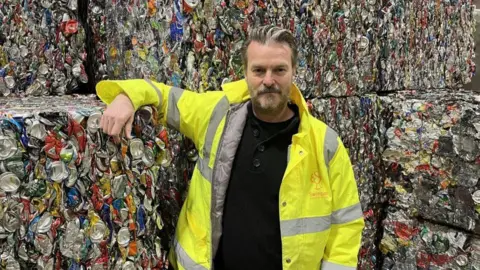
column 273, row 187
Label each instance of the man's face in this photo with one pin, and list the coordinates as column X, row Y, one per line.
column 269, row 75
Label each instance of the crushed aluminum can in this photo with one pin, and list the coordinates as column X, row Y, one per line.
column 137, row 148
column 67, row 153
column 58, row 171
column 9, row 182
column 119, row 186
column 123, row 237
column 37, row 130
column 45, row 223
column 192, row 155
column 128, row 265
column 93, row 122
column 98, row 231
column 72, row 177
column 148, row 157
column 17, row 167
column 462, row 260
column 146, row 114
column 8, row 147
column 11, row 220
column 115, row 164
column 43, row 244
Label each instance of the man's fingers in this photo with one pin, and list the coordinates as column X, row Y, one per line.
column 128, row 128
column 128, row 131
column 104, row 125
column 116, row 139
column 117, row 115
column 115, row 128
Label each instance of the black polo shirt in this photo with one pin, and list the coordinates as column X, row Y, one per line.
column 251, row 221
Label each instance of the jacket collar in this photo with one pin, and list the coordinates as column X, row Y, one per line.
column 237, row 92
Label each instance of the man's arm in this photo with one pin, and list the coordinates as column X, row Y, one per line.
column 183, row 110
column 341, row 251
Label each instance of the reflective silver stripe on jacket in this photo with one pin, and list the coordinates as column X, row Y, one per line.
column 218, row 113
column 206, row 171
column 298, row 226
column 159, row 93
column 347, row 214
column 173, row 113
column 330, row 146
column 333, row 266
column 184, row 260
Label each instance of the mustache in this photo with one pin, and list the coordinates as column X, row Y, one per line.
column 266, row 90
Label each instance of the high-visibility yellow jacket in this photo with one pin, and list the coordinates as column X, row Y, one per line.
column 321, row 219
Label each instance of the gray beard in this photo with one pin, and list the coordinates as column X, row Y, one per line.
column 257, row 108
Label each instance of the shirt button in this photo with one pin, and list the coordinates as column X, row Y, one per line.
column 261, row 148
column 256, row 163
column 256, row 132
column 284, row 204
column 289, row 261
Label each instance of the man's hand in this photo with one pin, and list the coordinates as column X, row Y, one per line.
column 119, row 114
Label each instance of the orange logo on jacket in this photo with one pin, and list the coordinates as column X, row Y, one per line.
column 318, row 189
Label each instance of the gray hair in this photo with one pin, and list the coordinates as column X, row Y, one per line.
column 269, row 33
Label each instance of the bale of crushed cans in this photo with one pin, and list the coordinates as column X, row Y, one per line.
column 433, row 157
column 345, row 49
column 426, row 44
column 73, row 198
column 42, row 48
column 97, row 25
column 418, row 152
column 432, row 161
column 196, row 44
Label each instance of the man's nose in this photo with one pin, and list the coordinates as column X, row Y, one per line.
column 268, row 79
